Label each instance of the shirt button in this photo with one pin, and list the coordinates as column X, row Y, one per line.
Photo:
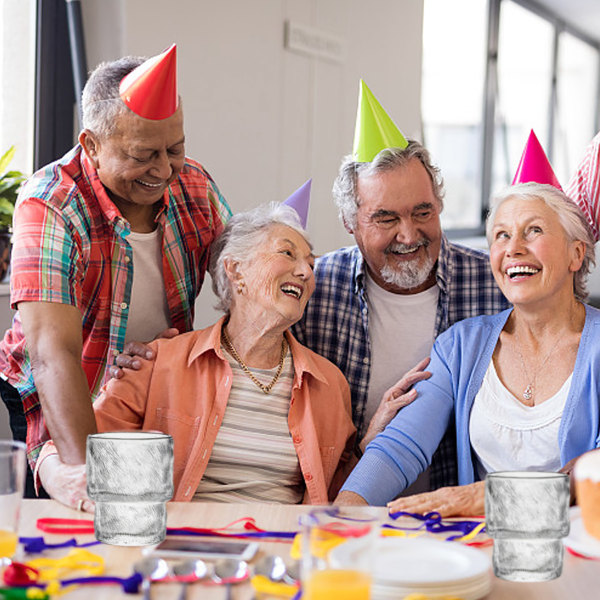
column 127, row 259
column 123, row 305
column 308, row 477
column 297, row 439
column 366, row 360
column 115, row 353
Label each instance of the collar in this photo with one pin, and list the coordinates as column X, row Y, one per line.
column 443, row 268
column 305, row 361
column 107, row 206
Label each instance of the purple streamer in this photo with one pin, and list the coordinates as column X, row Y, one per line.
column 433, row 523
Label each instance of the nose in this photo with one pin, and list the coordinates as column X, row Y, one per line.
column 162, row 167
column 515, row 245
column 303, row 270
column 406, row 232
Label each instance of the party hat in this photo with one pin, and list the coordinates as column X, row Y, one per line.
column 150, row 90
column 534, row 165
column 300, row 200
column 374, row 129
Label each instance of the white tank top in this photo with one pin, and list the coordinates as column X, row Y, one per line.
column 506, row 435
column 148, row 310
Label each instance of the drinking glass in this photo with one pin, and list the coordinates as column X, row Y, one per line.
column 348, row 576
column 130, row 477
column 527, row 514
column 12, row 484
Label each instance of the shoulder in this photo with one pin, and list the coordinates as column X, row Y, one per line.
column 57, row 183
column 474, row 330
column 337, row 262
column 318, row 366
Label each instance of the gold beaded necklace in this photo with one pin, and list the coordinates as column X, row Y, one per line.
column 265, row 388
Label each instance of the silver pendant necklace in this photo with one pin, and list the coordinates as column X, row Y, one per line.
column 530, row 389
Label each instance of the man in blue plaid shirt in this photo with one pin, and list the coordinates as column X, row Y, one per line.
column 379, row 305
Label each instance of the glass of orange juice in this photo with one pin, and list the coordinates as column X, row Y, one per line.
column 338, row 545
column 12, row 482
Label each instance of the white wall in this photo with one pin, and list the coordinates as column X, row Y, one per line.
column 263, row 119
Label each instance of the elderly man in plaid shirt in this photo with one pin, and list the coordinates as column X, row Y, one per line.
column 110, row 245
column 379, row 305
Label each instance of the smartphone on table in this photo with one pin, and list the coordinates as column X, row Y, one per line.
column 184, row 547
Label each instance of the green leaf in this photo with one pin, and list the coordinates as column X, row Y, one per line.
column 6, row 158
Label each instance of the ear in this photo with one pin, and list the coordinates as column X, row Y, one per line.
column 577, row 255
column 91, row 145
column 232, row 270
column 347, row 226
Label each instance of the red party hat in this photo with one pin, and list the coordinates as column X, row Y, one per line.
column 534, row 165
column 150, row 90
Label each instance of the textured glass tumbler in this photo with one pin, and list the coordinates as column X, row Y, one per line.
column 527, row 514
column 130, row 477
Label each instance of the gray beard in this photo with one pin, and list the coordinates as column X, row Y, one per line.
column 408, row 275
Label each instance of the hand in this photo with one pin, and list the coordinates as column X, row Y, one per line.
column 65, row 483
column 461, row 500
column 133, row 351
column 568, row 469
column 401, row 394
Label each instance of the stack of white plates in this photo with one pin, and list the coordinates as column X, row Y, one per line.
column 438, row 569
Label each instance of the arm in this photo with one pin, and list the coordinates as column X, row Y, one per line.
column 404, row 449
column 53, row 333
column 54, row 341
column 401, row 394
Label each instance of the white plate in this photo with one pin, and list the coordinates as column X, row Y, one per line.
column 578, row 538
column 417, row 561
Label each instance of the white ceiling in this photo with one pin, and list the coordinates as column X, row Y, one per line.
column 582, row 14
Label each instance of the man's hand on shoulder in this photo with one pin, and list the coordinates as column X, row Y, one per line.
column 135, row 352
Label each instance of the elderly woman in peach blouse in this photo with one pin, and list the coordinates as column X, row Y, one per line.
column 255, row 416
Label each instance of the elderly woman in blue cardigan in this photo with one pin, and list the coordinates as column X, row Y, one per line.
column 522, row 386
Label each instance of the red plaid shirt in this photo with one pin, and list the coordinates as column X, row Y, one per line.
column 70, row 246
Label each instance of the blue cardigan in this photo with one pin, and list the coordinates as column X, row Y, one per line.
column 459, row 360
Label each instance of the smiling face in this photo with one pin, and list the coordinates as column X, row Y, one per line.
column 138, row 162
column 532, row 260
column 398, row 228
column 278, row 278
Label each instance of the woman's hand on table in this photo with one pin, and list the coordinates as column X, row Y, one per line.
column 461, row 500
column 401, row 394
column 134, row 351
column 65, row 483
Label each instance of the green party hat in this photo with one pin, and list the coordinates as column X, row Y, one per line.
column 374, row 129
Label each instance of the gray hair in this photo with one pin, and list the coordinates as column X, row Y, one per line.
column 240, row 241
column 344, row 187
column 101, row 103
column 571, row 218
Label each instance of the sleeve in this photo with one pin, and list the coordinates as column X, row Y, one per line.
column 221, row 213
column 45, row 262
column 584, row 185
column 394, row 459
column 121, row 404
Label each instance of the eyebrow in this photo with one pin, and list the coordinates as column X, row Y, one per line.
column 382, row 212
column 143, row 149
column 527, row 222
column 311, row 255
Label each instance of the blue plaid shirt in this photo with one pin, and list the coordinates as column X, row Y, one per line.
column 336, row 323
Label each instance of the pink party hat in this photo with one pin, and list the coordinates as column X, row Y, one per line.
column 150, row 90
column 534, row 165
column 300, row 200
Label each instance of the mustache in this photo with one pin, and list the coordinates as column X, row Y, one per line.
column 400, row 247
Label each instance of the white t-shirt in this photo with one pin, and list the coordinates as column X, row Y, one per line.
column 506, row 435
column 401, row 334
column 148, row 309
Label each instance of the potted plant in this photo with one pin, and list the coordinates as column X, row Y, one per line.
column 10, row 182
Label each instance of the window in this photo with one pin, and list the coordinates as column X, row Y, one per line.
column 17, row 73
column 493, row 70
